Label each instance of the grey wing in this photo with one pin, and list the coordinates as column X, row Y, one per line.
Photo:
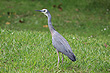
column 59, row 46
column 60, row 43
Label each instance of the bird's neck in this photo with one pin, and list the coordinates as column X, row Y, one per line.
column 51, row 28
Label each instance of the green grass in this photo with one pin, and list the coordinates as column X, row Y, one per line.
column 32, row 51
column 84, row 22
column 27, row 47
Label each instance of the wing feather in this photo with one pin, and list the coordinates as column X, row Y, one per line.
column 60, row 43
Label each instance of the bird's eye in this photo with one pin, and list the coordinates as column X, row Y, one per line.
column 44, row 10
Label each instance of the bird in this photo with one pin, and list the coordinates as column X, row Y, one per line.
column 58, row 41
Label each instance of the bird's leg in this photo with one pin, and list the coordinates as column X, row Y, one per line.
column 62, row 57
column 58, row 57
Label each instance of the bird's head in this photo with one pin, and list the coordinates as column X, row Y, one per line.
column 45, row 11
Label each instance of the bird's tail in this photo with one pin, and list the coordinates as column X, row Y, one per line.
column 72, row 57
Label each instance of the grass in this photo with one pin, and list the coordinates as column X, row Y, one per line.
column 27, row 46
column 32, row 51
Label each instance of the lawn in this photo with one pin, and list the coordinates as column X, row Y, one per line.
column 26, row 44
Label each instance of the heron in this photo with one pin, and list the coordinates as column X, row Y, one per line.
column 58, row 41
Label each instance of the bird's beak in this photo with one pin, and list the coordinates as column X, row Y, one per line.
column 39, row 10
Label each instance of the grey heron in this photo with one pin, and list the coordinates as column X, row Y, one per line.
column 58, row 41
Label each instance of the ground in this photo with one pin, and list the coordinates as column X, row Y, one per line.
column 26, row 44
